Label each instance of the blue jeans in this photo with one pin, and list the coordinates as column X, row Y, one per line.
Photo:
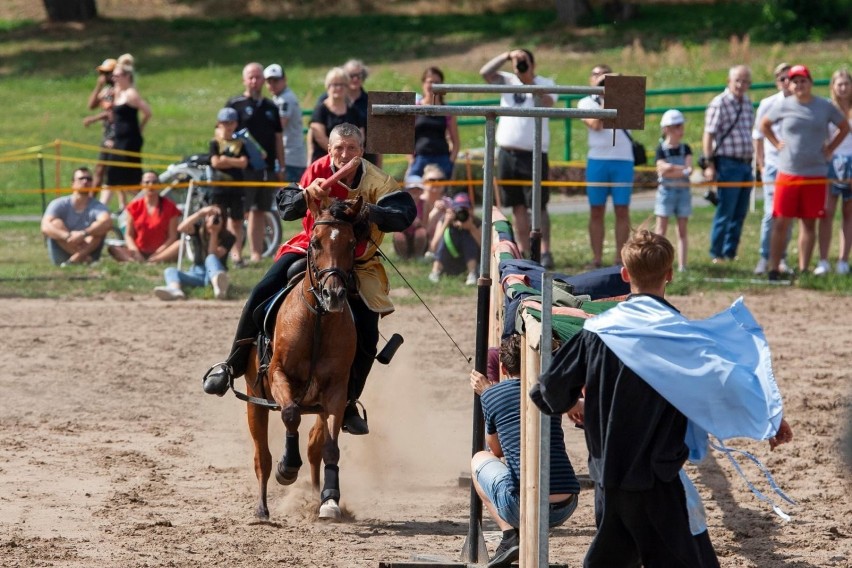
column 423, row 160
column 293, row 173
column 497, row 483
column 769, row 174
column 732, row 208
column 198, row 276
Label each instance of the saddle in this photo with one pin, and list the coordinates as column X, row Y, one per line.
column 264, row 315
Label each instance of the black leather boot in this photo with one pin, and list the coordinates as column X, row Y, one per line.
column 217, row 380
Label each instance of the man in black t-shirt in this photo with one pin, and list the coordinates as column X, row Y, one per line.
column 259, row 116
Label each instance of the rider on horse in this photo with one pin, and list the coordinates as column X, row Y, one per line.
column 391, row 210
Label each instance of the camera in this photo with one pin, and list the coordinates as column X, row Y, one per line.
column 462, row 215
column 704, row 162
column 522, row 66
column 217, row 219
column 712, row 197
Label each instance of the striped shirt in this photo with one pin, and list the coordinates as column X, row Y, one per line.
column 720, row 115
column 502, row 407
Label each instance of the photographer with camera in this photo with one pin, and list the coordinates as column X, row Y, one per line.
column 210, row 242
column 457, row 241
column 516, row 138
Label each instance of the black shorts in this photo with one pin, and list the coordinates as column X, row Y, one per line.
column 230, row 201
column 517, row 164
column 258, row 198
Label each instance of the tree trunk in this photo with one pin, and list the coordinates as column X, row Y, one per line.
column 570, row 11
column 70, row 10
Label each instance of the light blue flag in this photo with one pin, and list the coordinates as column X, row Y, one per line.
column 716, row 371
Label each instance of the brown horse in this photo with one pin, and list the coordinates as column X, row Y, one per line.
column 312, row 351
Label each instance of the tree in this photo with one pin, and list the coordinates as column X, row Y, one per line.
column 70, row 10
column 571, row 11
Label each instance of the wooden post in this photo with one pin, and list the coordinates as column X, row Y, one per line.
column 530, row 469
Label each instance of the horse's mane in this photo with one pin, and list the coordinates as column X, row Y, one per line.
column 341, row 210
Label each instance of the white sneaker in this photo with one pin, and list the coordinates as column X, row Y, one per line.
column 761, row 266
column 842, row 267
column 434, row 277
column 822, row 268
column 220, row 285
column 472, row 278
column 783, row 268
column 168, row 294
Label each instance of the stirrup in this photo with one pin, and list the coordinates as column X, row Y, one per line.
column 355, row 404
column 225, row 370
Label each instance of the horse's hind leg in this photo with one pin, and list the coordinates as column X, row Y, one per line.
column 258, row 423
column 288, row 468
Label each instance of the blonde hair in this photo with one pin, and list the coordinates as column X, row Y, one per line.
column 334, row 74
column 125, row 59
column 844, row 106
column 648, row 257
column 433, row 170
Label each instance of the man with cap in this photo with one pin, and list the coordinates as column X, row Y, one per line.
column 766, row 164
column 260, row 117
column 727, row 153
column 295, row 152
column 804, row 151
column 101, row 97
column 457, row 241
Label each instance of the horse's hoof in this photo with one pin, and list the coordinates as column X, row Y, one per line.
column 262, row 513
column 286, row 477
column 329, row 511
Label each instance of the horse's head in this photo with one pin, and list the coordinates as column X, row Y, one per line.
column 331, row 253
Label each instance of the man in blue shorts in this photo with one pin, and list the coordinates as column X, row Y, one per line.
column 498, row 482
column 610, row 164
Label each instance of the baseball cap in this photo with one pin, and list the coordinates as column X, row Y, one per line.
column 273, row 71
column 461, row 201
column 672, row 117
column 413, row 182
column 227, row 114
column 799, row 71
column 107, row 66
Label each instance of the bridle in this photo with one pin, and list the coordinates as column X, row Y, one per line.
column 316, row 281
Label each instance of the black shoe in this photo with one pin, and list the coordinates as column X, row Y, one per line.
column 507, row 552
column 773, row 276
column 547, row 261
column 217, row 380
column 353, row 423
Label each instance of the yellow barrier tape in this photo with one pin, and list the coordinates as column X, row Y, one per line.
column 19, row 158
column 29, row 150
column 119, row 152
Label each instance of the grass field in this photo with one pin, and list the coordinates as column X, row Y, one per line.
column 187, row 68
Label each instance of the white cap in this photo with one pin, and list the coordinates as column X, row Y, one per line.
column 274, row 71
column 672, row 117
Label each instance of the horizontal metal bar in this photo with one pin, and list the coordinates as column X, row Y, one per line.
column 445, row 110
column 442, row 88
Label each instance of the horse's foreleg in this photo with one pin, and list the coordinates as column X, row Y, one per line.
column 258, row 423
column 330, row 495
column 288, row 468
column 316, row 441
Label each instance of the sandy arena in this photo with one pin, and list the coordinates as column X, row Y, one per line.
column 110, row 455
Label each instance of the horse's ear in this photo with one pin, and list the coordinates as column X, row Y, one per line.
column 314, row 207
column 355, row 207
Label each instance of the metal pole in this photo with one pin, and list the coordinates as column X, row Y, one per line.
column 189, row 191
column 474, row 545
column 41, row 181
column 544, row 450
column 535, row 229
column 444, row 88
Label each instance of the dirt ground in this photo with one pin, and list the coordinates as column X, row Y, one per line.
column 110, row 455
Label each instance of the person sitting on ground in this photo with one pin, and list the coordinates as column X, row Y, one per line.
column 390, row 210
column 674, row 164
column 229, row 157
column 457, row 241
column 498, row 482
column 412, row 242
column 152, row 231
column 635, row 434
column 210, row 242
column 76, row 225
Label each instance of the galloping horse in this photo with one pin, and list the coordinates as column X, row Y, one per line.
column 312, row 351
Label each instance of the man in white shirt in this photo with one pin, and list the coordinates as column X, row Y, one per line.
column 516, row 139
column 295, row 152
column 609, row 162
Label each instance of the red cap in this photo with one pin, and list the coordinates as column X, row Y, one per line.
column 799, row 71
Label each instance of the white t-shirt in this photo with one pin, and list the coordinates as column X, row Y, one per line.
column 845, row 147
column 516, row 131
column 295, row 152
column 770, row 152
column 600, row 141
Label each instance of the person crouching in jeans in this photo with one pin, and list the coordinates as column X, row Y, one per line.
column 210, row 242
column 457, row 241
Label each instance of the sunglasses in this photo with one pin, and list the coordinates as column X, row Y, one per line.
column 83, row 178
column 357, row 75
column 432, row 180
